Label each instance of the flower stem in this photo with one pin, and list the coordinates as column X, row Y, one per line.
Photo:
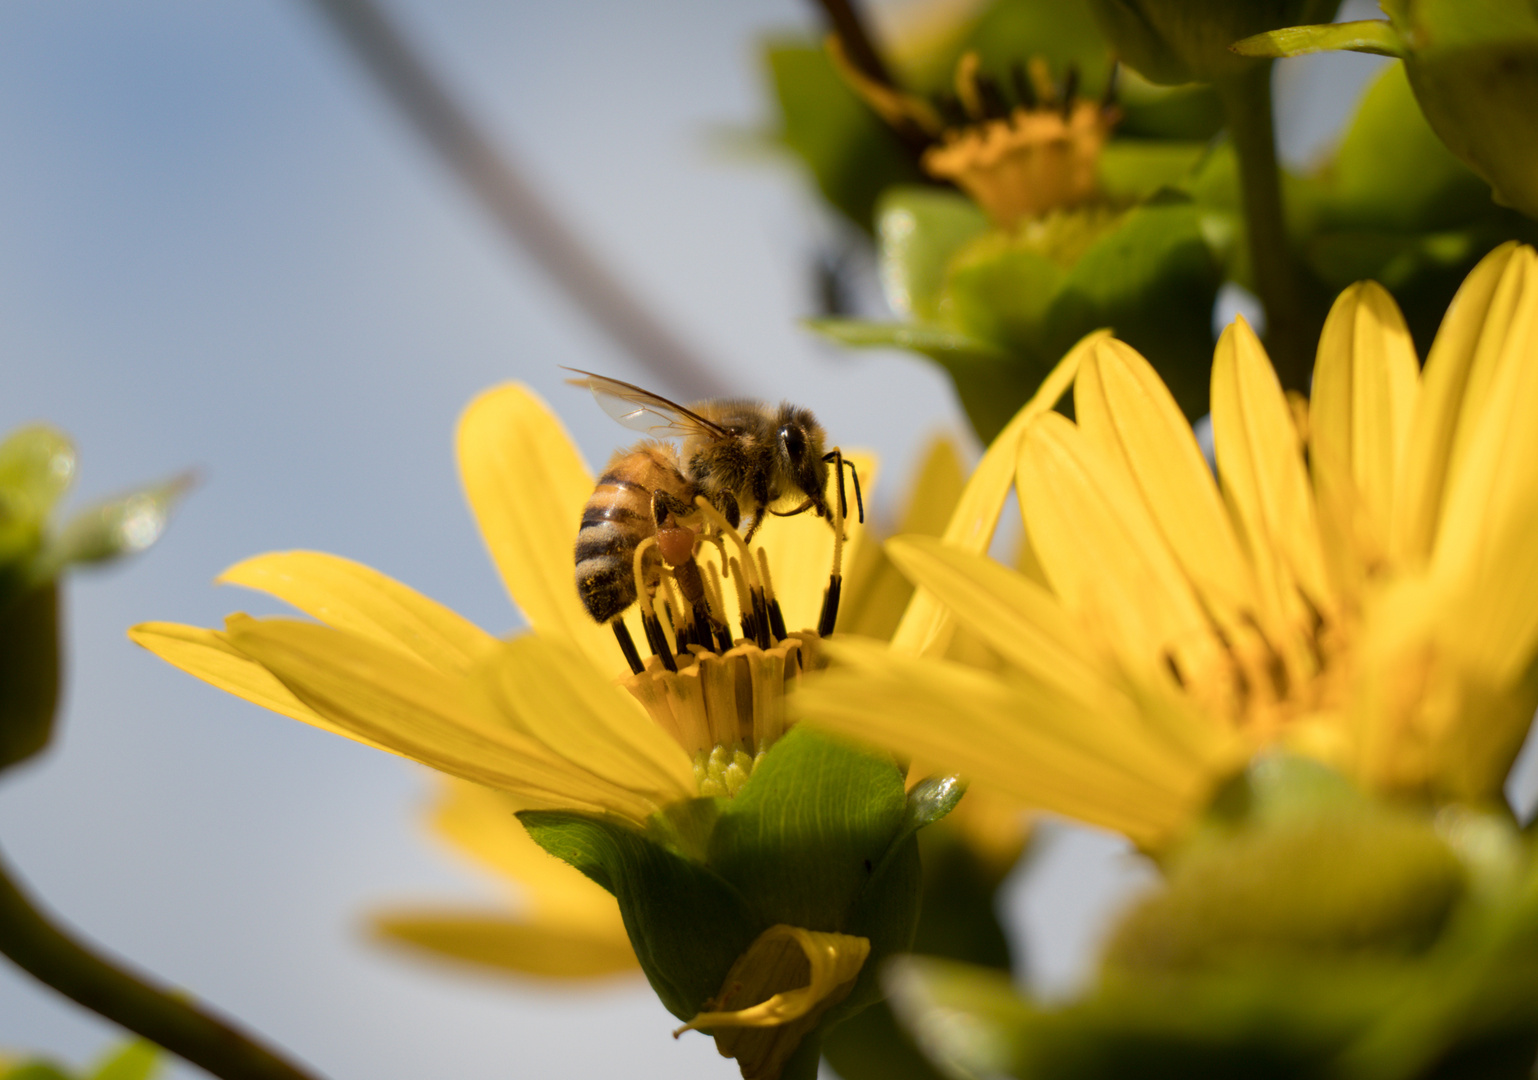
column 44, row 951
column 1290, row 323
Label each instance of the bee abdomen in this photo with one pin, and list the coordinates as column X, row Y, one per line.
column 614, row 521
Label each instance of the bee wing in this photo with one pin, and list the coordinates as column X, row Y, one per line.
column 642, row 410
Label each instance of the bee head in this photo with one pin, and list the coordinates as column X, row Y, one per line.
column 799, row 439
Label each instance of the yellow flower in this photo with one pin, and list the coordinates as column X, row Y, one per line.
column 538, row 717
column 551, row 719
column 1365, row 591
column 565, row 926
column 1018, row 162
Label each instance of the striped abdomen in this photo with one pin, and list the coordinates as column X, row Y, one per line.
column 616, row 518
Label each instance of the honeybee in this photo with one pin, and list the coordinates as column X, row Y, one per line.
column 744, row 457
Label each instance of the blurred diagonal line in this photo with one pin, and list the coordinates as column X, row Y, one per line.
column 513, row 201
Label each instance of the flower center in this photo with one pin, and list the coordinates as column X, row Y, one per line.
column 721, row 697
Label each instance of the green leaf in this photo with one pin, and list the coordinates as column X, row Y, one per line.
column 1132, row 170
column 968, row 1020
column 932, row 341
column 1391, row 172
column 29, row 673
column 136, row 1061
column 849, row 151
column 122, row 526
column 1376, row 36
column 1153, row 281
column 1000, row 292
column 919, row 230
column 686, row 923
column 806, row 834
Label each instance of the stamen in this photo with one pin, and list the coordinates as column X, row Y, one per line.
column 661, row 647
column 776, row 618
column 746, row 568
column 828, row 617
column 627, row 645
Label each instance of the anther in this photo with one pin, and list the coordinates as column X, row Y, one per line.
column 829, row 615
column 627, row 646
column 1070, row 88
column 772, row 602
column 1025, row 93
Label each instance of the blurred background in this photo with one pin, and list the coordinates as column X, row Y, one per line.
column 222, row 248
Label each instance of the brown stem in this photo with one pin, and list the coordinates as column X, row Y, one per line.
column 52, row 957
column 514, row 202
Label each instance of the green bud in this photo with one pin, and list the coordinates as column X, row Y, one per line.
column 1473, row 65
column 1182, row 41
column 820, row 840
column 1334, row 884
column 37, row 466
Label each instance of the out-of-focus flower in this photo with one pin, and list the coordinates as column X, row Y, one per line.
column 1473, row 65
column 669, row 786
column 559, row 924
column 1362, row 591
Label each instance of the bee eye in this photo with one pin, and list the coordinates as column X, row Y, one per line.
column 794, row 441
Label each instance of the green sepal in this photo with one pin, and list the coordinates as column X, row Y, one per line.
column 116, row 527
column 686, row 923
column 805, row 836
column 919, row 229
column 1376, row 36
column 29, row 673
column 852, row 155
column 37, row 464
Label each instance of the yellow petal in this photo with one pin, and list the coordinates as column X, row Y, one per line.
column 1493, row 474
column 1365, row 385
column 526, row 484
column 776, row 992
column 479, row 822
column 925, row 627
column 1104, row 556
column 351, row 596
column 1444, row 384
column 495, row 940
column 1263, row 476
column 1024, row 623
column 1104, row 767
column 551, row 692
column 369, row 690
column 1124, row 408
column 760, row 976
column 208, row 655
column 800, row 548
column 875, row 591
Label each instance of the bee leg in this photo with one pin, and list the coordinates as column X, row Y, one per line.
column 627, row 646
